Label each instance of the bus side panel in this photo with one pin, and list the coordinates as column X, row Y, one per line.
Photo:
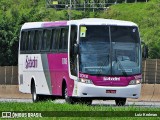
column 58, row 66
column 52, row 69
column 23, row 84
column 34, row 66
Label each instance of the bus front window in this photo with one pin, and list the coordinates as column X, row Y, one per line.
column 95, row 50
column 125, row 50
column 109, row 50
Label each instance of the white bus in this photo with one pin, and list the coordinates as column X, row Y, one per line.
column 81, row 60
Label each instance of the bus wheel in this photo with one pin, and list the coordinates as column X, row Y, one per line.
column 35, row 96
column 120, row 101
column 86, row 101
column 67, row 98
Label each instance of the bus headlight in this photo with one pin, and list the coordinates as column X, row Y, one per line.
column 87, row 81
column 135, row 82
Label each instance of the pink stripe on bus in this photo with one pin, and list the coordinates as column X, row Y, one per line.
column 59, row 72
column 52, row 24
column 110, row 80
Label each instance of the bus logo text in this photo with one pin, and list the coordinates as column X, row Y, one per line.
column 111, row 78
column 31, row 63
column 83, row 76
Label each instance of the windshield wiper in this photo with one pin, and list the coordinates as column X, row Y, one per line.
column 121, row 66
column 93, row 74
column 101, row 66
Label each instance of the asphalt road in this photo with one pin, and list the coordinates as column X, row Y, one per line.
column 95, row 102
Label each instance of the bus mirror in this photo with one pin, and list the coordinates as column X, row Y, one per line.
column 76, row 49
column 145, row 51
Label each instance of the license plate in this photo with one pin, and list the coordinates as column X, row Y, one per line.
column 111, row 91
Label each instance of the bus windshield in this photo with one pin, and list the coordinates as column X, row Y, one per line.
column 109, row 50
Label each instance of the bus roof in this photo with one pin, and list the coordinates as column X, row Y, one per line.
column 101, row 21
column 85, row 21
column 31, row 25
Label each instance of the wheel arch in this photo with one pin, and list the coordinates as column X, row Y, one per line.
column 64, row 84
column 33, row 84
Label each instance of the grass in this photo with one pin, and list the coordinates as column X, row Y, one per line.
column 77, row 109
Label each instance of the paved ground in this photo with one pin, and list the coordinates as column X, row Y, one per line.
column 95, row 102
column 128, row 103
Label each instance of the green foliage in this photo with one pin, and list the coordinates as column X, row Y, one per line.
column 146, row 15
column 14, row 13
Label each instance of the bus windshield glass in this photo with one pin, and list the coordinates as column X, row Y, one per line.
column 109, row 50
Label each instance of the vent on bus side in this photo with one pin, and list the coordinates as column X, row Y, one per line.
column 21, row 78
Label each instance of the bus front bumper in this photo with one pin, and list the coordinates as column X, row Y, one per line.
column 90, row 90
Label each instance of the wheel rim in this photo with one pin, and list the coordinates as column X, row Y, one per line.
column 65, row 93
column 120, row 102
column 34, row 95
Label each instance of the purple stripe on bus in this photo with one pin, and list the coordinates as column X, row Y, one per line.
column 110, row 80
column 58, row 67
column 52, row 24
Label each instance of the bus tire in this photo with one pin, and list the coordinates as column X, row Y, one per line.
column 120, row 101
column 35, row 96
column 68, row 99
column 86, row 101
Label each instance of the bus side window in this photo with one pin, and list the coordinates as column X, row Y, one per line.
column 63, row 39
column 53, row 40
column 40, row 32
column 46, row 40
column 23, row 40
column 57, row 38
column 27, row 41
column 65, row 42
column 30, row 40
column 73, row 57
column 36, row 40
